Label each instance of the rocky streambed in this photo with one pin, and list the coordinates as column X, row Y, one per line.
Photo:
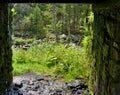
column 33, row 84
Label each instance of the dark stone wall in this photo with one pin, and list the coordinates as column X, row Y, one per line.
column 106, row 50
column 5, row 49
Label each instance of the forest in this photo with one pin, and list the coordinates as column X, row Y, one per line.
column 53, row 39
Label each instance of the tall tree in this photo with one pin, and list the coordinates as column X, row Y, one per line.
column 55, row 21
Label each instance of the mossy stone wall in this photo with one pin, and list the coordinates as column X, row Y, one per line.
column 106, row 49
column 5, row 49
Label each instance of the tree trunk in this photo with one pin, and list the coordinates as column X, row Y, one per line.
column 74, row 19
column 69, row 29
column 106, row 50
column 5, row 50
column 55, row 21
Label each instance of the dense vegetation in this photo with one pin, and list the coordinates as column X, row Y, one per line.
column 69, row 62
column 52, row 39
column 42, row 19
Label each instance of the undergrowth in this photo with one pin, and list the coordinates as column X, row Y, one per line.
column 55, row 59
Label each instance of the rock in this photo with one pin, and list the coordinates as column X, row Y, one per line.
column 25, row 93
column 74, row 90
column 70, row 86
column 83, row 85
column 33, row 93
column 58, row 90
column 20, row 93
column 19, row 85
column 63, row 36
column 39, row 78
column 25, row 47
column 79, row 92
column 25, row 82
column 35, row 88
column 32, row 84
column 74, row 38
column 15, row 88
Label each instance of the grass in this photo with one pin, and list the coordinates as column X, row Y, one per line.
column 55, row 59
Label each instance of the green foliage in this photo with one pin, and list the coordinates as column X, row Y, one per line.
column 13, row 12
column 20, row 57
column 40, row 19
column 87, row 43
column 57, row 59
column 73, row 63
column 20, row 41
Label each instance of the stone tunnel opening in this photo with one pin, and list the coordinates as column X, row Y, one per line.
column 66, row 25
column 105, row 48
